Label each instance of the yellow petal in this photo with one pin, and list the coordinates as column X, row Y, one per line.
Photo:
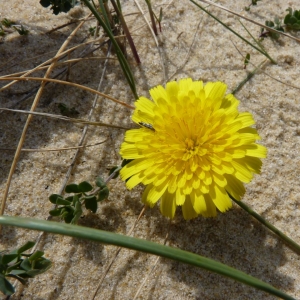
column 134, row 180
column 211, row 210
column 198, row 202
column 180, row 197
column 156, row 192
column 188, row 210
column 134, row 167
column 234, row 187
column 220, row 198
column 168, row 205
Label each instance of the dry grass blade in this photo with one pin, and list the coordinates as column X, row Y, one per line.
column 71, row 84
column 33, row 107
column 54, row 149
column 64, row 118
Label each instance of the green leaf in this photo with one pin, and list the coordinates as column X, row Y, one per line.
column 17, row 272
column 61, row 201
column 69, row 198
column 45, row 3
column 25, row 265
column 68, row 218
column 55, row 212
column 7, row 258
column 5, row 286
column 22, row 280
column 25, row 247
column 67, row 111
column 144, row 246
column 72, row 188
column 35, row 256
column 53, row 198
column 103, row 194
column 270, row 23
column 41, row 266
column 58, row 5
column 247, row 59
column 91, row 204
column 100, row 182
column 85, row 187
column 292, row 19
column 14, row 266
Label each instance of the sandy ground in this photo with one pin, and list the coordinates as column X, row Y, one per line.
column 233, row 238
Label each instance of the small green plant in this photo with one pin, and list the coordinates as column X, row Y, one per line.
column 246, row 61
column 18, row 265
column 67, row 111
column 274, row 25
column 253, row 2
column 11, row 24
column 70, row 207
column 21, row 29
column 292, row 19
column 7, row 23
column 291, row 22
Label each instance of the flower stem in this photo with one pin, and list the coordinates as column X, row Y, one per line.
column 293, row 245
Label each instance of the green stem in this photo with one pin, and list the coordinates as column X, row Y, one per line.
column 246, row 41
column 293, row 245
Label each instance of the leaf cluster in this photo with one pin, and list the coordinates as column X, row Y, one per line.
column 69, row 208
column 253, row 2
column 274, row 25
column 291, row 22
column 16, row 264
column 59, row 6
column 67, row 111
column 292, row 19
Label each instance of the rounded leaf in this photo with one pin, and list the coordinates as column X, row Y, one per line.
column 91, row 204
column 72, row 188
column 85, row 187
column 53, row 198
column 100, row 182
column 103, row 194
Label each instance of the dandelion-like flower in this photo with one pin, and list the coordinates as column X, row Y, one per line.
column 192, row 150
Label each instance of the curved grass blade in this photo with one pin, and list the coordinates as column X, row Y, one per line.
column 144, row 246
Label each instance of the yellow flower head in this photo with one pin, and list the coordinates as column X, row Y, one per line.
column 193, row 148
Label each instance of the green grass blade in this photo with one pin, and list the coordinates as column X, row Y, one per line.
column 238, row 35
column 144, row 246
column 123, row 62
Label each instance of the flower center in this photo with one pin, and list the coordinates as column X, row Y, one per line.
column 191, row 147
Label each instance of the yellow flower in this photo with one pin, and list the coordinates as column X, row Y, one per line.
column 193, row 148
